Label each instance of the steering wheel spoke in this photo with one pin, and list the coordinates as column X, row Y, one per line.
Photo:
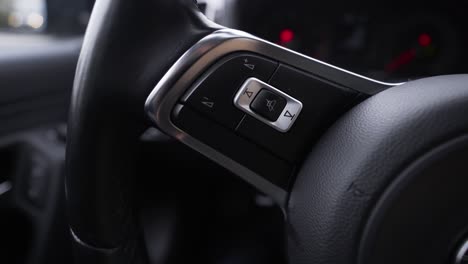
column 252, row 106
column 128, row 46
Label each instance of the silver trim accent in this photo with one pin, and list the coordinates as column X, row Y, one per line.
column 253, row 85
column 86, row 245
column 462, row 253
column 201, row 56
column 5, row 187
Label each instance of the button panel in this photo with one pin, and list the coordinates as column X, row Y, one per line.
column 212, row 95
column 246, row 97
column 323, row 103
column 251, row 109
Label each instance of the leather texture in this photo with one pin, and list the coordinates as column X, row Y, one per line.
column 422, row 216
column 128, row 47
column 360, row 155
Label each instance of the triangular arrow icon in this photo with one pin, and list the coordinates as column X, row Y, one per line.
column 288, row 114
column 250, row 66
column 208, row 104
column 248, row 93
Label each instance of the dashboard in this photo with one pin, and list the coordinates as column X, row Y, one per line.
column 386, row 40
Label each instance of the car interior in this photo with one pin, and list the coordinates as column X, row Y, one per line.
column 233, row 131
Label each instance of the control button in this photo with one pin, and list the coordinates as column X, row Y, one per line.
column 323, row 102
column 269, row 105
column 213, row 94
column 227, row 142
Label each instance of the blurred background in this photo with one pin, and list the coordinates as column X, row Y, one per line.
column 25, row 15
column 41, row 16
column 389, row 40
column 40, row 41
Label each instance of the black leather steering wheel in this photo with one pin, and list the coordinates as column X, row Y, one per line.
column 365, row 171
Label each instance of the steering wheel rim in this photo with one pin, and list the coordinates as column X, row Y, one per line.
column 130, row 45
column 101, row 217
column 361, row 160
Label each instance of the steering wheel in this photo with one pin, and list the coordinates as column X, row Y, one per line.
column 364, row 171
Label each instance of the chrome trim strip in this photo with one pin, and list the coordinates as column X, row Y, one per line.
column 205, row 53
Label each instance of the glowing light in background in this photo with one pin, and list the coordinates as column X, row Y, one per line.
column 424, row 40
column 35, row 20
column 286, row 36
column 402, row 60
column 15, row 20
column 23, row 15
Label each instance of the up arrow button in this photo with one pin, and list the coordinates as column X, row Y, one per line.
column 249, row 65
